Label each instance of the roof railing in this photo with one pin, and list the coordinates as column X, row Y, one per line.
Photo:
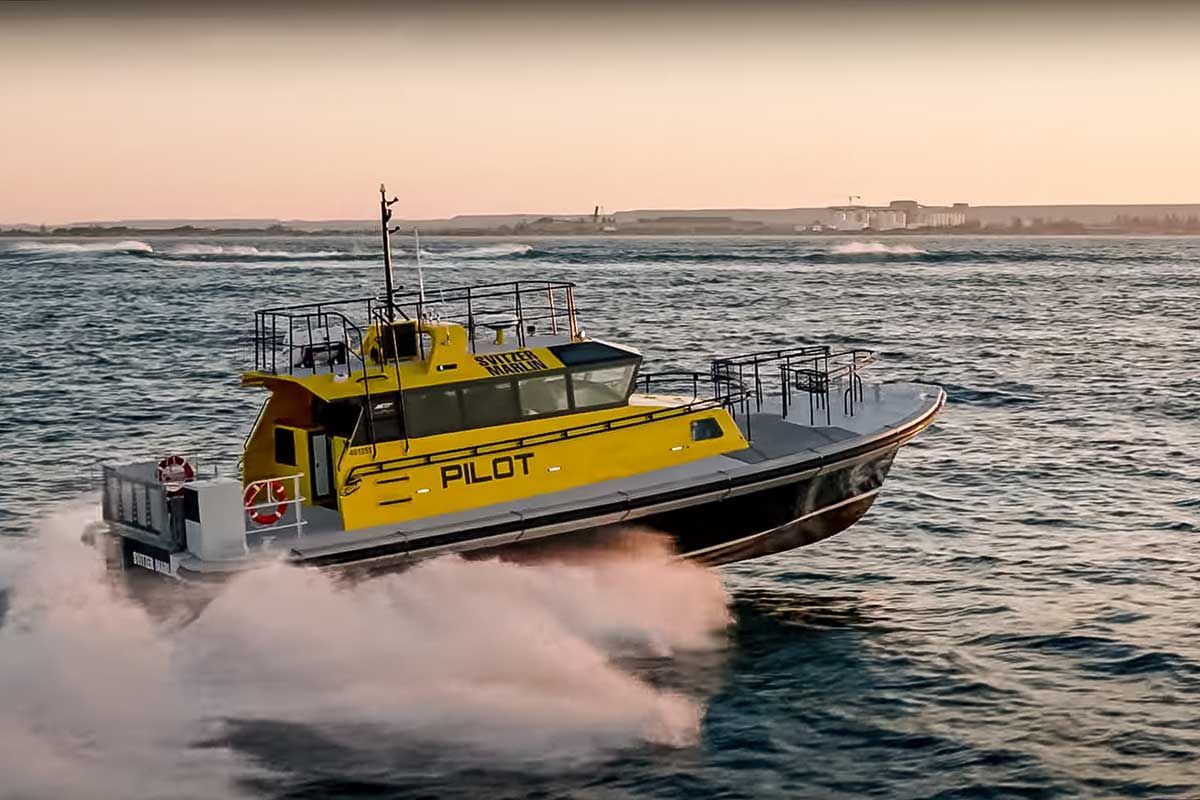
column 331, row 332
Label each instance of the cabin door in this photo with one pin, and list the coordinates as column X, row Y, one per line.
column 320, row 448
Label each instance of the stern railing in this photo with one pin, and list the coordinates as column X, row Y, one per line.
column 293, row 508
column 132, row 495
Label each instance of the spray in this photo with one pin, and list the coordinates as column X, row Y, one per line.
column 497, row 661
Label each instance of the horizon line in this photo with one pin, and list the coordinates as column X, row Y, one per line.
column 128, row 219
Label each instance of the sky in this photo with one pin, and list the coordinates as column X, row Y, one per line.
column 299, row 111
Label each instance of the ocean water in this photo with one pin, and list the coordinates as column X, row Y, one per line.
column 1016, row 616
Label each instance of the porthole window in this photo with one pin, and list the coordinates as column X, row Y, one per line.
column 707, row 428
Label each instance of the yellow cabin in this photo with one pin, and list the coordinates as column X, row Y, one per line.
column 422, row 414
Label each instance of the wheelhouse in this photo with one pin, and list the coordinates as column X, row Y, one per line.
column 364, row 391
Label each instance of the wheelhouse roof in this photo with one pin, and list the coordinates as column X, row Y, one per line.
column 342, row 381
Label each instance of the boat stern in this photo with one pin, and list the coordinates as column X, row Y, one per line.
column 186, row 520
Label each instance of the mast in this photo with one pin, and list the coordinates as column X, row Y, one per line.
column 385, row 216
column 420, row 274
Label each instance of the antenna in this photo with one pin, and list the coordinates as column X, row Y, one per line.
column 420, row 273
column 385, row 216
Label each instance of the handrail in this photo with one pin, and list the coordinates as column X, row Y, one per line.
column 765, row 356
column 532, row 302
column 814, row 377
column 323, row 303
column 262, row 409
column 447, row 294
column 287, row 342
column 296, row 501
column 736, row 390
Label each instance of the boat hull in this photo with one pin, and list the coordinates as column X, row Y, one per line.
column 782, row 518
column 783, row 512
column 729, row 516
column 755, row 523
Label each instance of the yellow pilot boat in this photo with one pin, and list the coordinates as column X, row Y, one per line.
column 481, row 419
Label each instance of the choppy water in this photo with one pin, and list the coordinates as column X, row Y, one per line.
column 1016, row 617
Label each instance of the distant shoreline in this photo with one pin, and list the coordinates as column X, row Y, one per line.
column 278, row 232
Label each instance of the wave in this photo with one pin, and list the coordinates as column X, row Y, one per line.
column 499, row 661
column 493, row 251
column 985, row 397
column 250, row 251
column 877, row 248
column 128, row 246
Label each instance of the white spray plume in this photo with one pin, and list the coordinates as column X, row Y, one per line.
column 876, row 248
column 129, row 246
column 504, row 661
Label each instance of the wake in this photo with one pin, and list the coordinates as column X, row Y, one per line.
column 129, row 246
column 502, row 661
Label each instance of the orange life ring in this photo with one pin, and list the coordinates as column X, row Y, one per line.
column 173, row 472
column 275, row 493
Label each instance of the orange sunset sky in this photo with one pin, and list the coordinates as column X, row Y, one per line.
column 300, row 112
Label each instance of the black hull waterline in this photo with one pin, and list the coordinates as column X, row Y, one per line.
column 713, row 523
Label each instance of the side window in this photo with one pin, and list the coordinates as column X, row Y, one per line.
column 339, row 417
column 398, row 340
column 707, row 428
column 544, row 394
column 487, row 404
column 433, row 410
column 601, row 386
column 387, row 420
column 285, row 447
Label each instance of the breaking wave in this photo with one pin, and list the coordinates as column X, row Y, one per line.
column 129, row 246
column 876, row 249
column 493, row 251
column 250, row 251
column 500, row 661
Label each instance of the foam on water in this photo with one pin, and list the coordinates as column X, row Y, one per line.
column 128, row 246
column 500, row 660
column 242, row 250
column 876, row 248
column 493, row 251
column 92, row 705
column 250, row 251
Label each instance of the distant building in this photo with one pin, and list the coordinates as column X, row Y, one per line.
column 929, row 218
column 861, row 218
column 849, row 218
column 694, row 223
column 920, row 216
